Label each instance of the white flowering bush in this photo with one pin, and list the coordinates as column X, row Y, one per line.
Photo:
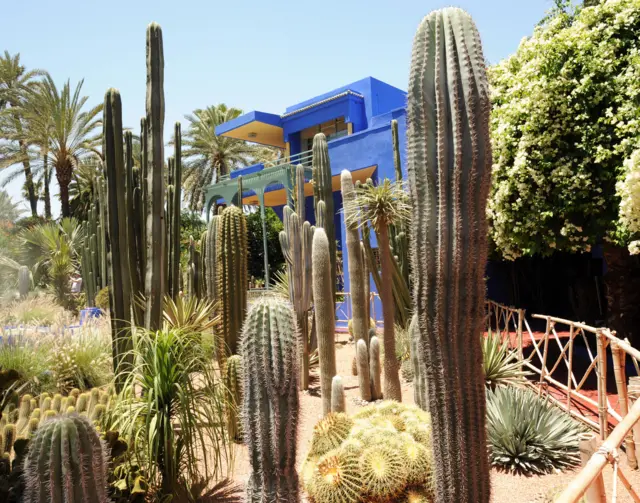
column 566, row 114
column 628, row 190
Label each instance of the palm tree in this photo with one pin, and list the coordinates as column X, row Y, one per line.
column 383, row 205
column 15, row 82
column 62, row 129
column 208, row 156
column 52, row 250
column 9, row 210
column 83, row 188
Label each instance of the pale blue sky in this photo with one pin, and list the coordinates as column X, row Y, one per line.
column 255, row 55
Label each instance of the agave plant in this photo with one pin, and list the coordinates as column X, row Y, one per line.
column 192, row 315
column 501, row 365
column 527, row 435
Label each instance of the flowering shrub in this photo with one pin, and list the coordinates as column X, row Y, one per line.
column 566, row 115
column 628, row 191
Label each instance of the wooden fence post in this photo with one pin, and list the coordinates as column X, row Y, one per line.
column 520, row 343
column 602, row 384
column 543, row 370
column 570, row 372
column 619, row 362
column 596, row 492
column 634, row 394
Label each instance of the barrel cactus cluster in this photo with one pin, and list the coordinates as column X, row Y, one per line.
column 382, row 454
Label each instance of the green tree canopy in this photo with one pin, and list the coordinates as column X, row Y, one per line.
column 566, row 116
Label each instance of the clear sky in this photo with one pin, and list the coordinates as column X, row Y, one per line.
column 254, row 55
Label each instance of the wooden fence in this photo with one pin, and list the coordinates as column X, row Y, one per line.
column 568, row 364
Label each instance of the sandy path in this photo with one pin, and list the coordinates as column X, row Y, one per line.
column 506, row 488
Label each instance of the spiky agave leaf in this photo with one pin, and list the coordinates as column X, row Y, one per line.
column 501, row 365
column 527, row 435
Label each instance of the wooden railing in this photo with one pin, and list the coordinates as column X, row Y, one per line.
column 563, row 377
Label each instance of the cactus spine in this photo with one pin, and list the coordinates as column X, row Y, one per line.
column 323, row 191
column 337, row 395
column 374, row 368
column 325, row 315
column 66, row 462
column 270, row 402
column 356, row 273
column 24, row 281
column 449, row 173
column 296, row 240
column 232, row 276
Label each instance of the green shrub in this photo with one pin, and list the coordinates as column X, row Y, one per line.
column 102, row 299
column 527, row 435
column 501, row 366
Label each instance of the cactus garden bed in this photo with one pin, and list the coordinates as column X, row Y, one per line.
column 505, row 487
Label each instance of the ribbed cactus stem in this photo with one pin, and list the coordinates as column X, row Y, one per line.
column 233, row 383
column 117, row 248
column 449, row 173
column 395, row 140
column 173, row 246
column 356, row 266
column 362, row 364
column 419, row 372
column 323, row 191
column 155, row 239
column 295, row 241
column 338, row 403
column 325, row 315
column 66, row 462
column 367, row 281
column 211, row 267
column 270, row 401
column 232, row 276
column 24, row 281
column 374, row 368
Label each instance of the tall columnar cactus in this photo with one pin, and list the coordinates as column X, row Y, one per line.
column 174, row 198
column 356, row 267
column 233, row 375
column 325, row 315
column 66, row 462
column 270, row 400
column 24, row 281
column 211, row 266
column 232, row 277
column 399, row 241
column 449, row 173
column 117, row 248
column 323, row 191
column 155, row 242
column 194, row 270
column 295, row 240
column 374, row 368
column 417, row 366
column 338, row 403
column 92, row 258
column 133, row 215
column 362, row 364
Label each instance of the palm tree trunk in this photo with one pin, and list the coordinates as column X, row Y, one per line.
column 392, row 388
column 33, row 200
column 47, row 194
column 63, row 174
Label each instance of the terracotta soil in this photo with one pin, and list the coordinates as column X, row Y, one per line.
column 506, row 488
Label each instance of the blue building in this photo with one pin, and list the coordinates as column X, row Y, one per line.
column 356, row 119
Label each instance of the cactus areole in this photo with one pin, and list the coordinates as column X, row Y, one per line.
column 449, row 168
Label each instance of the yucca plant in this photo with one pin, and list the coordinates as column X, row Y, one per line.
column 501, row 365
column 528, row 435
column 191, row 315
column 172, row 410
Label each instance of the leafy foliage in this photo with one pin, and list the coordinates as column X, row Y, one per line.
column 500, row 364
column 527, row 435
column 565, row 117
column 178, row 427
column 10, row 210
column 256, row 248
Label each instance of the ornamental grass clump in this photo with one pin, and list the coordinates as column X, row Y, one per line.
column 381, row 454
column 527, row 435
column 501, row 365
